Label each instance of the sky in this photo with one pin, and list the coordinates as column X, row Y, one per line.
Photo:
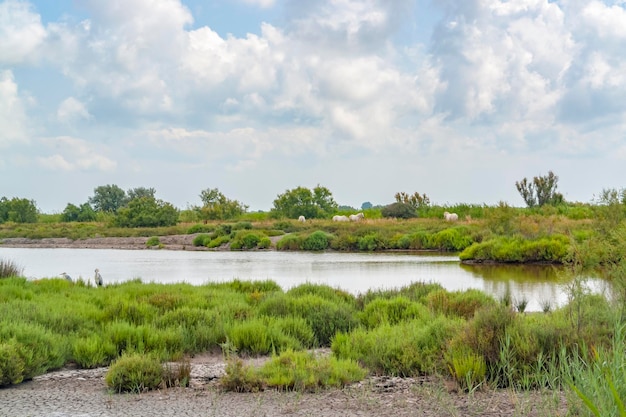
column 454, row 99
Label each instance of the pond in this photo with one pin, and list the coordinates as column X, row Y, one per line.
column 352, row 272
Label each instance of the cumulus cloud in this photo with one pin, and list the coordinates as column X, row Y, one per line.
column 71, row 110
column 12, row 113
column 21, row 32
column 73, row 154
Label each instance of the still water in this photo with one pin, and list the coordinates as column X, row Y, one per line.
column 352, row 272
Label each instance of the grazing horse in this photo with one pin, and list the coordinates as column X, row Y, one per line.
column 356, row 217
column 451, row 217
column 301, row 219
column 340, row 219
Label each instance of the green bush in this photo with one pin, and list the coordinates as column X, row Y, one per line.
column 134, row 373
column 468, row 369
column 392, row 311
column 201, row 240
column 242, row 226
column 303, row 371
column 264, row 243
column 218, row 241
column 371, row 242
column 454, row 239
column 199, row 228
column 552, row 249
column 245, row 240
column 399, row 210
column 241, row 378
column 93, row 351
column 406, row 349
column 316, row 241
column 153, row 241
column 12, row 366
column 289, row 242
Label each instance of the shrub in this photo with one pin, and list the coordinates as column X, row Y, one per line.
column 12, row 364
column 303, row 371
column 134, row 373
column 467, row 368
column 199, row 228
column 264, row 243
column 245, row 240
column 392, row 311
column 242, row 226
column 371, row 242
column 93, row 351
column 153, row 241
column 399, row 210
column 241, row 378
column 316, row 241
column 218, row 241
column 289, row 242
column 201, row 240
column 455, row 239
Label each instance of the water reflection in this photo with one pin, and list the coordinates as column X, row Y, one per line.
column 352, row 272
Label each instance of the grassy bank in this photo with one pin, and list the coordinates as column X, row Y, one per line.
column 420, row 329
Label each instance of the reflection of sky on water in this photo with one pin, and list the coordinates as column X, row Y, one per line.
column 353, row 272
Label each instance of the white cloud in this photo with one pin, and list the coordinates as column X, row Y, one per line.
column 73, row 154
column 71, row 110
column 12, row 115
column 21, row 32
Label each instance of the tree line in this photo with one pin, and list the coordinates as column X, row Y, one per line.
column 139, row 207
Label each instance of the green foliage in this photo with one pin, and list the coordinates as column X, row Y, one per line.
column 200, row 228
column 201, row 240
column 415, row 200
column 305, row 372
column 93, row 351
column 459, row 303
column 18, row 210
column 216, row 206
column 371, row 242
column 467, row 368
column 108, row 198
column 84, row 213
column 241, row 378
column 153, row 241
column 289, row 242
column 265, row 335
column 553, row 249
column 399, row 210
column 541, row 191
column 316, row 241
column 392, row 311
column 406, row 349
column 9, row 269
column 134, row 373
column 245, row 240
column 264, row 243
column 301, row 201
column 453, row 239
column 146, row 212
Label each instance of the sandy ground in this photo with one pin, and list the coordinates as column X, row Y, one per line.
column 73, row 392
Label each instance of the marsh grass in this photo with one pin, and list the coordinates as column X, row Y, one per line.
column 9, row 268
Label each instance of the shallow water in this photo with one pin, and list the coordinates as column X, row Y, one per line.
column 352, row 272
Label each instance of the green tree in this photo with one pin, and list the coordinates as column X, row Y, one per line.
column 140, row 192
column 541, row 191
column 108, row 198
column 18, row 210
column 302, row 201
column 84, row 213
column 146, row 212
column 415, row 200
column 399, row 210
column 216, row 206
column 366, row 205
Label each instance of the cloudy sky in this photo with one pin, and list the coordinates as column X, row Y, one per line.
column 457, row 99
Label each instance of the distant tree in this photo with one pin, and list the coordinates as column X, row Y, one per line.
column 415, row 200
column 345, row 208
column 140, row 192
column 108, row 198
column 146, row 212
column 366, row 205
column 398, row 210
column 302, row 201
column 541, row 191
column 84, row 213
column 216, row 206
column 18, row 210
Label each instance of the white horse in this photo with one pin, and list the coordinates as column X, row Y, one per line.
column 340, row 219
column 451, row 217
column 356, row 217
column 301, row 219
